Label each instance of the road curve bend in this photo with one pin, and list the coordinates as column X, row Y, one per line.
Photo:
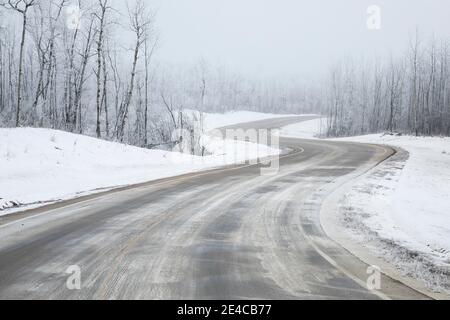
column 222, row 234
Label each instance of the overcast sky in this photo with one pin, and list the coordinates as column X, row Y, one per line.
column 290, row 37
column 285, row 38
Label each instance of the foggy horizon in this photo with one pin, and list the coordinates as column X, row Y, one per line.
column 289, row 38
column 282, row 40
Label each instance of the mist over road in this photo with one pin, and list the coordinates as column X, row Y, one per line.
column 223, row 234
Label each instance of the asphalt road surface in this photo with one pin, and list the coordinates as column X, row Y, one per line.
column 224, row 234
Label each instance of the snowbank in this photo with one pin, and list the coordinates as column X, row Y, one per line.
column 219, row 120
column 406, row 201
column 420, row 198
column 401, row 209
column 42, row 165
column 39, row 166
column 311, row 129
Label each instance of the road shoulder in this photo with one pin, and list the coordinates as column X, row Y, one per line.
column 332, row 221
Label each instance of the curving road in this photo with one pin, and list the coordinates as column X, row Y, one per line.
column 223, row 234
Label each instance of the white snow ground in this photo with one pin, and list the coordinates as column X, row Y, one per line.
column 311, row 129
column 40, row 166
column 216, row 120
column 401, row 209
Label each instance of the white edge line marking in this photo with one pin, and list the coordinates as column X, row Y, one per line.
column 348, row 274
column 336, row 265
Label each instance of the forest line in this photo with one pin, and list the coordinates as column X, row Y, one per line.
column 73, row 72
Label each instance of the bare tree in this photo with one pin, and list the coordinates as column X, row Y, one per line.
column 79, row 85
column 116, row 79
column 394, row 87
column 141, row 21
column 414, row 103
column 104, row 102
column 22, row 7
column 148, row 53
column 101, row 16
column 44, row 33
column 2, row 70
column 409, row 94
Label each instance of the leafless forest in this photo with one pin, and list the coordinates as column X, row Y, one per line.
column 408, row 94
column 94, row 73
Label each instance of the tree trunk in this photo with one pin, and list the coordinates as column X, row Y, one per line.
column 20, row 76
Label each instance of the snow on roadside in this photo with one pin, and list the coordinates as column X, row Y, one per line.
column 41, row 165
column 218, row 120
column 401, row 208
column 310, row 129
column 421, row 197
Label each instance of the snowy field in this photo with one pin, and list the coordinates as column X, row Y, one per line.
column 39, row 166
column 311, row 129
column 401, row 209
column 217, row 120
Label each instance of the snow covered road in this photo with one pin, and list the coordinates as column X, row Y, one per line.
column 225, row 234
column 398, row 213
column 40, row 166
